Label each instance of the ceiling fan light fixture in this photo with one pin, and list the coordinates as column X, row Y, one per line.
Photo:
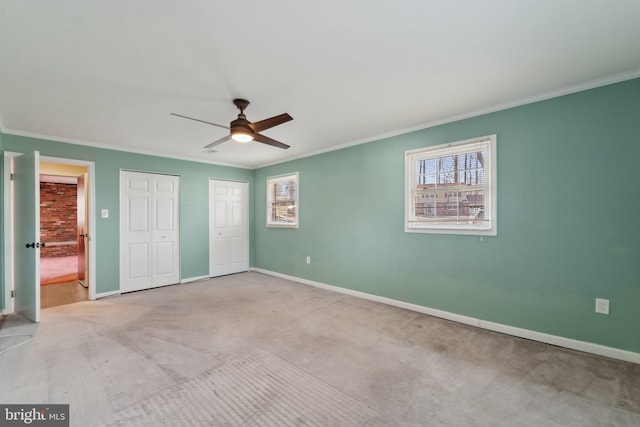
column 241, row 135
column 243, row 131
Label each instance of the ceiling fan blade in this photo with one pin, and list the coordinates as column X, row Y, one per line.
column 198, row 120
column 269, row 141
column 269, row 123
column 220, row 141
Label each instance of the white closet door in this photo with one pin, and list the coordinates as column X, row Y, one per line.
column 228, row 227
column 165, row 259
column 149, row 235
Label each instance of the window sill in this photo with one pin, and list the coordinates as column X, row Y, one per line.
column 452, row 230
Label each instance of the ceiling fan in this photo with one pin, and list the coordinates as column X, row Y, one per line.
column 242, row 130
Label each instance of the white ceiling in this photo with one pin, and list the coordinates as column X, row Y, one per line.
column 108, row 73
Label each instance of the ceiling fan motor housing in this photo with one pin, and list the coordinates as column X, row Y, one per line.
column 240, row 127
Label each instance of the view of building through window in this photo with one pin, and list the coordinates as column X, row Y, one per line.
column 450, row 187
column 282, row 201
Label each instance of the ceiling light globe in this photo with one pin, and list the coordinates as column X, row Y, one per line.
column 242, row 137
column 240, row 132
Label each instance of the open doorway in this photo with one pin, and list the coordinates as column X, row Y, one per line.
column 63, row 225
column 21, row 222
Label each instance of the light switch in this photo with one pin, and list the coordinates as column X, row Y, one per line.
column 104, row 213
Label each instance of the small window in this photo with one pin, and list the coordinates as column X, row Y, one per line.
column 451, row 188
column 282, row 201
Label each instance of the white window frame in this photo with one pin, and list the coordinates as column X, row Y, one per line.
column 486, row 228
column 295, row 176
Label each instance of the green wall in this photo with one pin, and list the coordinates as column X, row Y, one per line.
column 568, row 218
column 568, row 221
column 194, row 201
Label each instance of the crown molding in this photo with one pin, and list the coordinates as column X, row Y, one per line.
column 118, row 148
column 592, row 84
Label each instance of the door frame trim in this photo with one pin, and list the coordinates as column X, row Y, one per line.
column 8, row 223
column 7, row 189
column 248, row 221
column 91, row 214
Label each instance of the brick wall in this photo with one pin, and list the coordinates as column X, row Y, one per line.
column 58, row 218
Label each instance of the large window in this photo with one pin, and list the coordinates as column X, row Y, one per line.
column 451, row 188
column 282, row 201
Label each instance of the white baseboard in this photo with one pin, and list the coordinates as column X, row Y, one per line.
column 587, row 347
column 193, row 279
column 107, row 294
column 187, row 280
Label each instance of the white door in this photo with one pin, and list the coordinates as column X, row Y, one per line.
column 149, row 250
column 228, row 227
column 82, row 235
column 26, row 234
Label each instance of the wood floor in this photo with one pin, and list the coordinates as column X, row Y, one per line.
column 62, row 293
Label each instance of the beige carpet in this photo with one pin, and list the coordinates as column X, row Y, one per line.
column 256, row 350
column 8, row 343
column 259, row 389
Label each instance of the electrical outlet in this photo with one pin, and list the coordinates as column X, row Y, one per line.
column 602, row 306
column 308, row 260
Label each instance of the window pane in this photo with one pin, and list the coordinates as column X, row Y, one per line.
column 451, row 187
column 425, row 207
column 426, row 171
column 283, row 213
column 451, row 206
column 475, row 200
column 282, row 200
column 284, row 190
